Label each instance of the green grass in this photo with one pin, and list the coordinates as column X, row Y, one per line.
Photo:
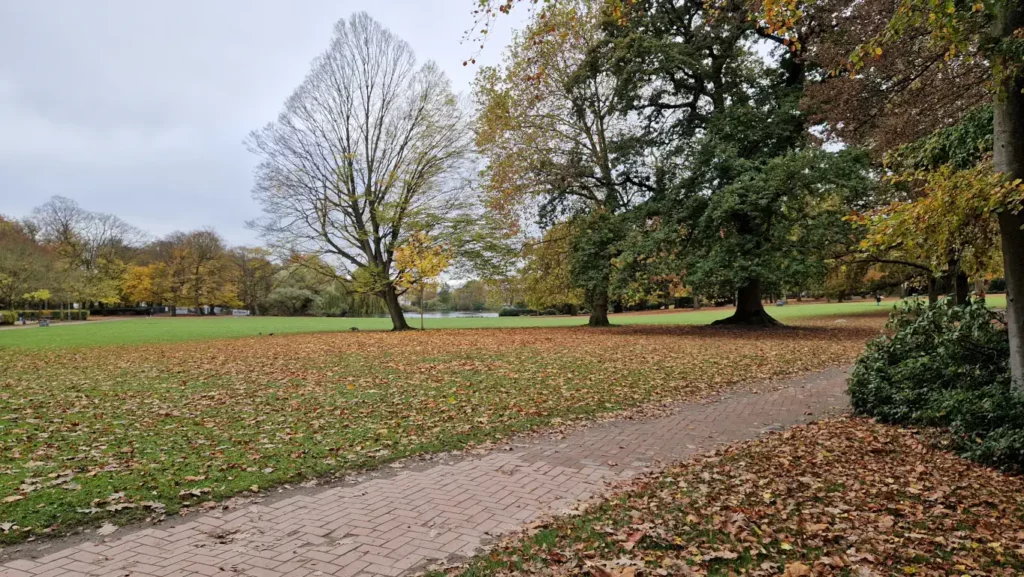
column 170, row 330
column 89, row 435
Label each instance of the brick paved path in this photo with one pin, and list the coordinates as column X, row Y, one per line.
column 393, row 526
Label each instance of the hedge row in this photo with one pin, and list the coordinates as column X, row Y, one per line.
column 11, row 317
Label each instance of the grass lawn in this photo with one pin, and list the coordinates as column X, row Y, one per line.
column 90, row 434
column 169, row 330
column 845, row 497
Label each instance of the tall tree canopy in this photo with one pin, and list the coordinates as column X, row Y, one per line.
column 24, row 263
column 929, row 51
column 554, row 140
column 368, row 148
column 744, row 202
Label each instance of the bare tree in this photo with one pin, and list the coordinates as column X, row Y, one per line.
column 60, row 222
column 93, row 248
column 84, row 237
column 368, row 149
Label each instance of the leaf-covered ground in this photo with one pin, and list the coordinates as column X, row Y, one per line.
column 89, row 435
column 845, row 497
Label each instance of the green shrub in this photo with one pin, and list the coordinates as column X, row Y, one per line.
column 549, row 312
column 508, row 312
column 8, row 317
column 946, row 366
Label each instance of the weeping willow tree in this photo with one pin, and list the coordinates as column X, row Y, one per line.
column 339, row 300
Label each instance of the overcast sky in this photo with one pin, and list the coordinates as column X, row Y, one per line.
column 140, row 108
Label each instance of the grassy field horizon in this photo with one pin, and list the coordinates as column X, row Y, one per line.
column 182, row 329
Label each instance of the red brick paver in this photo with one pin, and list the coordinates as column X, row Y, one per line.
column 392, row 526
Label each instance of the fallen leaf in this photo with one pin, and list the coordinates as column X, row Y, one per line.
column 727, row 555
column 632, row 539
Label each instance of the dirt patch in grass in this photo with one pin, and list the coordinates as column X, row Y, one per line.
column 840, row 497
column 90, row 435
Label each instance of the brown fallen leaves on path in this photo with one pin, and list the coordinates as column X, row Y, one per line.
column 845, row 497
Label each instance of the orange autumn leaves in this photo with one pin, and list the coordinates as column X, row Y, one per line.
column 844, row 497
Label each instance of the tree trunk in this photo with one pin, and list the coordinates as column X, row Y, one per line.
column 963, row 289
column 599, row 309
column 1008, row 158
column 1013, row 270
column 395, row 309
column 933, row 290
column 749, row 310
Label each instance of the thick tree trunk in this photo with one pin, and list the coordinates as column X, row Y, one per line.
column 390, row 296
column 1013, row 270
column 599, row 310
column 1008, row 158
column 749, row 310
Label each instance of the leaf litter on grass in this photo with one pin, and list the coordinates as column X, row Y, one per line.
column 844, row 497
column 166, row 428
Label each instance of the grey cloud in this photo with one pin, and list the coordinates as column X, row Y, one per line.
column 140, row 108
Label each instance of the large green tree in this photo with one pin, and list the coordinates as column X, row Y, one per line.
column 744, row 202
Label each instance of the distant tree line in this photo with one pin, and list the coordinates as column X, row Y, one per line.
column 64, row 255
